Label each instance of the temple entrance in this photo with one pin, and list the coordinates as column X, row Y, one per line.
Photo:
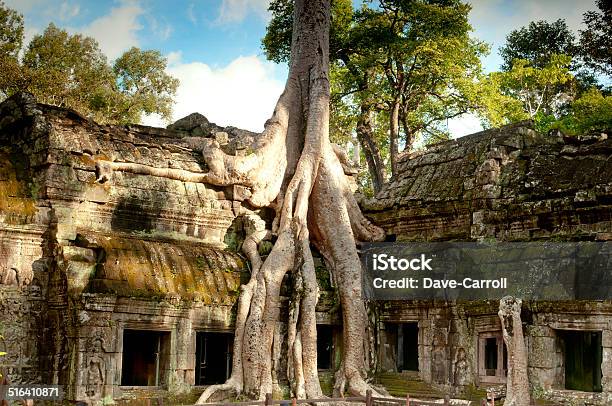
column 408, row 347
column 492, row 358
column 582, row 360
column 404, row 344
column 325, row 346
column 213, row 357
column 145, row 358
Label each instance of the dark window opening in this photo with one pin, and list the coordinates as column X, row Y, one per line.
column 145, row 358
column 408, row 347
column 213, row 357
column 491, row 356
column 583, row 357
column 325, row 346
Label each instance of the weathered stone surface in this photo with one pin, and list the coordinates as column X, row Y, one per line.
column 81, row 260
column 506, row 184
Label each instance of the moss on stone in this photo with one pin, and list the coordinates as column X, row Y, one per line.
column 156, row 270
column 17, row 205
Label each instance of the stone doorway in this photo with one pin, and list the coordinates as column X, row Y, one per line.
column 582, row 358
column 403, row 339
column 213, row 357
column 325, row 346
column 492, row 358
column 408, row 347
column 145, row 358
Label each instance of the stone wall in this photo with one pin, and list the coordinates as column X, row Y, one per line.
column 83, row 259
column 508, row 184
column 86, row 254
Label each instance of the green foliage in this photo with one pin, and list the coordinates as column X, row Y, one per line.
column 421, row 54
column 415, row 55
column 497, row 109
column 537, row 43
column 11, row 31
column 71, row 71
column 537, row 89
column 595, row 47
column 552, row 76
column 277, row 41
column 143, row 84
column 543, row 123
column 66, row 70
column 590, row 113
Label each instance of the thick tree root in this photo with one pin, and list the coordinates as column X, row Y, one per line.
column 298, row 169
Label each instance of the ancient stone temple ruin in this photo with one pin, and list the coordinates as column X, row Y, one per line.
column 122, row 284
column 510, row 184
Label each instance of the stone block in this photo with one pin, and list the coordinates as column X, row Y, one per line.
column 540, row 352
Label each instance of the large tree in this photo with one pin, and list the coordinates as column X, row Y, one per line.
column 70, row 70
column 66, row 70
column 542, row 90
column 596, row 39
column 405, row 67
column 537, row 42
column 143, row 85
column 11, row 40
column 11, row 31
column 295, row 169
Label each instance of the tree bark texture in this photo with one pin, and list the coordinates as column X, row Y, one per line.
column 365, row 136
column 295, row 169
column 517, row 385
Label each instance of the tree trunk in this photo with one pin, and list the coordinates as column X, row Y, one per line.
column 365, row 135
column 295, row 170
column 394, row 134
column 517, row 386
column 410, row 135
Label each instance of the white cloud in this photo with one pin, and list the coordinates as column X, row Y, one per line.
column 68, row 10
column 116, row 31
column 242, row 94
column 23, row 6
column 235, row 11
column 174, row 58
column 159, row 27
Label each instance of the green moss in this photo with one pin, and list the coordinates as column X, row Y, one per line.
column 16, row 201
column 323, row 278
column 265, row 247
column 201, row 263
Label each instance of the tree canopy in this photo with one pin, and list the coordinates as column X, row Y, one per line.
column 70, row 70
column 596, row 40
column 556, row 79
column 399, row 70
column 11, row 31
column 537, row 43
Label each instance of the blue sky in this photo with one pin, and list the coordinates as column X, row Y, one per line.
column 213, row 46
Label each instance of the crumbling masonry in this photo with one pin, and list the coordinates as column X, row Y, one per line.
column 122, row 284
